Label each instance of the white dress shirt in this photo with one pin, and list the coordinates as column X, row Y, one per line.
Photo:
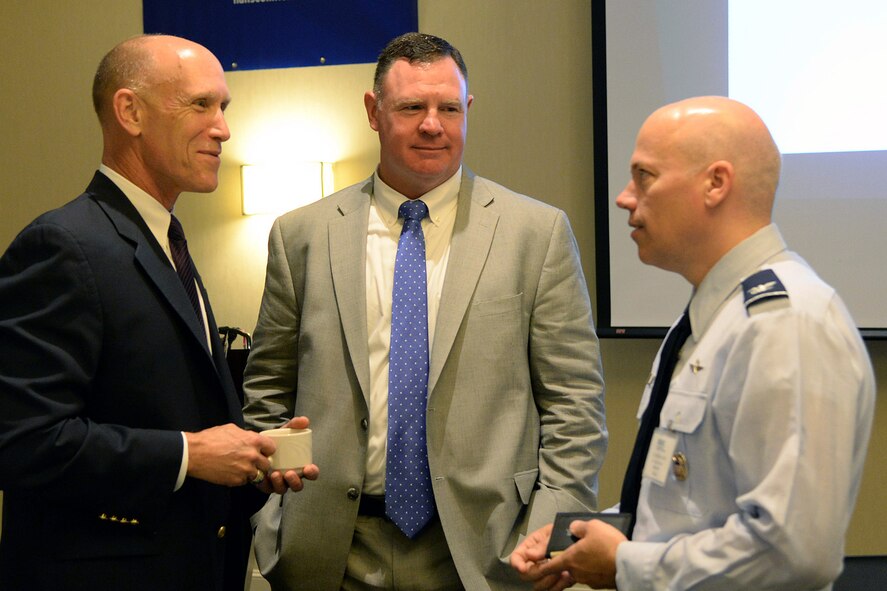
column 771, row 406
column 383, row 233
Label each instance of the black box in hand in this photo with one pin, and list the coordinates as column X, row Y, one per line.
column 561, row 538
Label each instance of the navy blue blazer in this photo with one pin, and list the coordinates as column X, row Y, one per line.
column 102, row 364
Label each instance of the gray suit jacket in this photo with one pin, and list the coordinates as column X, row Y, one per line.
column 515, row 420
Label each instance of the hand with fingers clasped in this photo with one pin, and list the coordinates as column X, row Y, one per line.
column 231, row 456
column 279, row 481
column 590, row 561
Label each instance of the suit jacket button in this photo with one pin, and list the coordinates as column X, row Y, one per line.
column 221, row 533
column 365, row 424
column 353, row 493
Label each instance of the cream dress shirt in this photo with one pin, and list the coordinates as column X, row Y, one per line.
column 383, row 233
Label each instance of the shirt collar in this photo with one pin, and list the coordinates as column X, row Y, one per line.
column 441, row 200
column 155, row 215
column 725, row 277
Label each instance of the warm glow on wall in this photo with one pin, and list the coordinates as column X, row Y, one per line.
column 281, row 187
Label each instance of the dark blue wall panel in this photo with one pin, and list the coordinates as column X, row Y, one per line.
column 261, row 34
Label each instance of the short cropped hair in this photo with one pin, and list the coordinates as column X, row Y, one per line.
column 125, row 66
column 416, row 48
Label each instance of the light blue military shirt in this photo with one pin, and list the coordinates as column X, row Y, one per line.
column 771, row 405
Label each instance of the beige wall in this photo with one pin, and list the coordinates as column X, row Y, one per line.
column 530, row 128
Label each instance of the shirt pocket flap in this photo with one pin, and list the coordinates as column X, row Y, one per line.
column 683, row 411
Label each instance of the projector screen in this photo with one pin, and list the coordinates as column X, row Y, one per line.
column 814, row 71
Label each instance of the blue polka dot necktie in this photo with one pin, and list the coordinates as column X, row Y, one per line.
column 409, row 500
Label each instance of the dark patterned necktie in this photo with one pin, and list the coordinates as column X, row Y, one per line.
column 631, row 485
column 184, row 265
column 409, row 499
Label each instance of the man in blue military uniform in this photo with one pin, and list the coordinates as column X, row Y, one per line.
column 755, row 460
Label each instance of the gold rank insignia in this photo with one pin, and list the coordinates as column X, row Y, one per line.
column 679, row 466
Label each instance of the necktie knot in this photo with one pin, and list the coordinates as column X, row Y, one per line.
column 683, row 330
column 414, row 210
column 176, row 232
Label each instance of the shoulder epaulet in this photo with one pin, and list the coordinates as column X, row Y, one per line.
column 763, row 285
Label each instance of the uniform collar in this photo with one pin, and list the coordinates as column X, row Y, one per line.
column 724, row 279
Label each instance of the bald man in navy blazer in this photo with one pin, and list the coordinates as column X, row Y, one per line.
column 120, row 430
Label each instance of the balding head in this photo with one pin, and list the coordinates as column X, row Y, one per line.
column 140, row 64
column 712, row 128
column 161, row 102
column 704, row 175
column 125, row 66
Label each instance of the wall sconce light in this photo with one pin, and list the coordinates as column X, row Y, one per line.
column 278, row 188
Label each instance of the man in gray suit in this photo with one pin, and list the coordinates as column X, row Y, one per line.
column 511, row 429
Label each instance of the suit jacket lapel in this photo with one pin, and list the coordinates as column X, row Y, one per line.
column 220, row 359
column 347, row 244
column 150, row 256
column 469, row 248
column 148, row 253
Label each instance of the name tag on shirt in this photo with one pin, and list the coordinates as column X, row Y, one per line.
column 662, row 448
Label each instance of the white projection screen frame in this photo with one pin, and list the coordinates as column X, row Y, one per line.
column 816, row 78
